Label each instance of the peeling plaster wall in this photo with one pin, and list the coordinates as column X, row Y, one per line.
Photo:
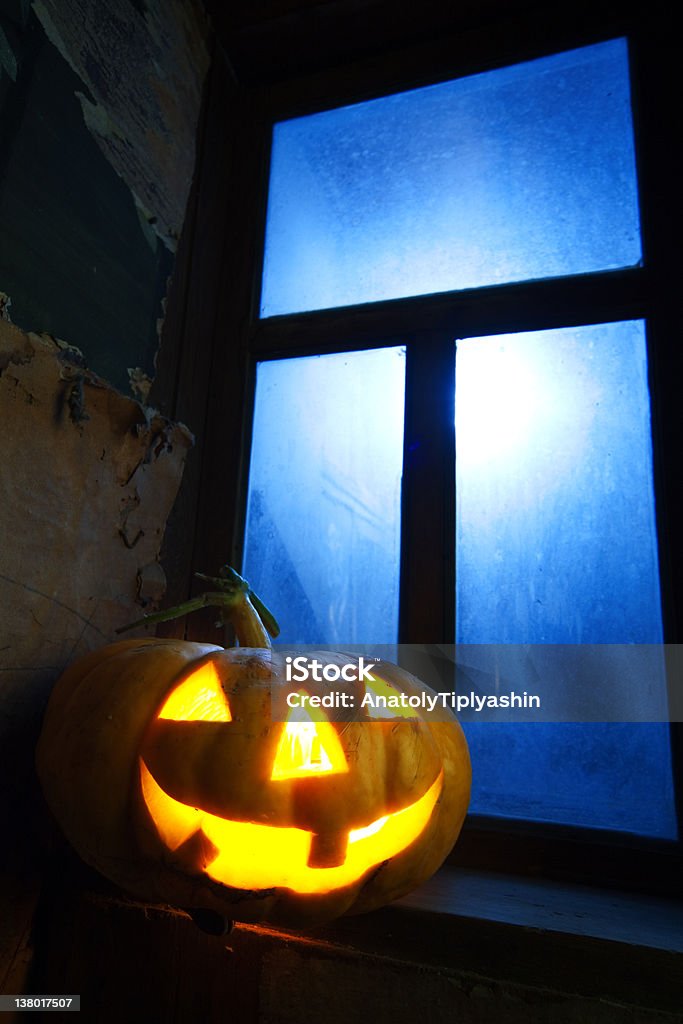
column 87, row 480
column 99, row 108
column 144, row 65
column 99, row 112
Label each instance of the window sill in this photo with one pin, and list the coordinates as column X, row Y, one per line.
column 486, row 931
column 596, row 943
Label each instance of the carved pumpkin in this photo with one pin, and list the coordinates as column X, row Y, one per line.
column 161, row 762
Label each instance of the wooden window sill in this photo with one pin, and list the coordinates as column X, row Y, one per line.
column 540, row 941
column 593, row 942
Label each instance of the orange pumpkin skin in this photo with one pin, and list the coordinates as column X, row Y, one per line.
column 106, row 756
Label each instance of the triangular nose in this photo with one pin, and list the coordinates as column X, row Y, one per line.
column 308, row 746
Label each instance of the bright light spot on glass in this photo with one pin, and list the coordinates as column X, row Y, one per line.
column 519, row 173
column 556, row 544
column 502, row 401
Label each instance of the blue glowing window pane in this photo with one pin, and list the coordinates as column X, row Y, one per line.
column 323, row 517
column 615, row 775
column 520, row 173
column 555, row 508
column 556, row 544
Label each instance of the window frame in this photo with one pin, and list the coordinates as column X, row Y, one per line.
column 428, row 327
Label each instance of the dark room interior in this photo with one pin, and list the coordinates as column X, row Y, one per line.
column 135, row 153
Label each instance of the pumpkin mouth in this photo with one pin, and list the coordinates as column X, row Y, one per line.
column 246, row 855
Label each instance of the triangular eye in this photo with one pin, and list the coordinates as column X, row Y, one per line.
column 200, row 698
column 385, row 700
column 309, row 745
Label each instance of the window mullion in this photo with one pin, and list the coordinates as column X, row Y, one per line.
column 428, row 493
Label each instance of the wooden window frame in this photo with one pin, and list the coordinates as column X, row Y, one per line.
column 214, row 339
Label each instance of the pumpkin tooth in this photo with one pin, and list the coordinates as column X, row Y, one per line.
column 328, row 849
column 175, row 822
column 197, row 852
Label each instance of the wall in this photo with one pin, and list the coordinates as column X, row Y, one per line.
column 99, row 112
column 99, row 104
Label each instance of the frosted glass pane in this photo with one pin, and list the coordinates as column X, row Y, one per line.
column 323, row 518
column 555, row 506
column 519, row 173
column 614, row 776
column 556, row 532
column 556, row 544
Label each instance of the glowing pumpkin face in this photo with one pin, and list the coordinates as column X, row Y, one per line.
column 176, row 783
column 289, row 810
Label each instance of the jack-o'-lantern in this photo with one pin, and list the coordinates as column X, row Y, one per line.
column 163, row 764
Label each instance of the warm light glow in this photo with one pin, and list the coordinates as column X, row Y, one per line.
column 309, row 745
column 356, row 834
column 175, row 822
column 263, row 856
column 200, row 698
column 380, row 688
column 303, row 750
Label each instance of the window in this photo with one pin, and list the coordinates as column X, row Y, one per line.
column 515, row 174
column 483, row 230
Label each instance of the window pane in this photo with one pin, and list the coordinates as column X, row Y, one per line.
column 556, row 527
column 519, row 173
column 556, row 544
column 323, row 517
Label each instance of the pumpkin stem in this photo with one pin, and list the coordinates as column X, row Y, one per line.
column 238, row 605
column 232, row 583
column 246, row 621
